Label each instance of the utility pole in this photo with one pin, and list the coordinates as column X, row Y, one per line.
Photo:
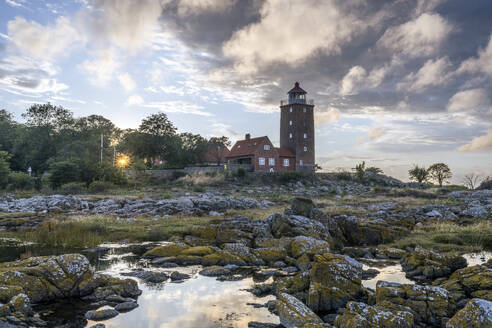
column 114, row 155
column 102, row 144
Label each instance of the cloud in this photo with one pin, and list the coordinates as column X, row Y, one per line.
column 134, row 100
column 481, row 64
column 127, row 82
column 375, row 133
column 289, row 32
column 331, row 115
column 102, row 68
column 419, row 37
column 432, row 73
column 178, row 107
column 479, row 143
column 15, row 3
column 468, row 100
column 354, row 77
column 44, row 42
column 193, row 7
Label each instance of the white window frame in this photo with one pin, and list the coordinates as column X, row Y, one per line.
column 305, row 148
column 290, row 122
column 290, row 135
column 305, row 135
column 261, row 161
column 271, row 161
column 291, row 109
column 266, row 147
column 304, row 109
column 300, row 162
column 286, row 162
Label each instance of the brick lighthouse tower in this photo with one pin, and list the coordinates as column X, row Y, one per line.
column 297, row 127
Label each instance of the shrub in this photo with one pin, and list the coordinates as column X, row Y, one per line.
column 63, row 172
column 360, row 170
column 198, row 189
column 100, row 186
column 178, row 174
column 20, row 181
column 419, row 174
column 114, row 175
column 286, row 177
column 343, row 175
column 73, row 188
column 4, row 168
column 240, row 172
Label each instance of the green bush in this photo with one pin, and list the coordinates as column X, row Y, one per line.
column 286, row 177
column 343, row 175
column 4, row 168
column 178, row 174
column 240, row 172
column 100, row 186
column 114, row 175
column 63, row 172
column 199, row 189
column 73, row 188
column 20, row 181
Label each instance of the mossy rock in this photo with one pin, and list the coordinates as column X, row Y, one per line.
column 302, row 206
column 222, row 258
column 294, row 284
column 198, row 251
column 283, row 242
column 308, row 245
column 167, row 250
column 208, row 232
column 477, row 314
column 293, row 313
column 271, row 254
column 359, row 315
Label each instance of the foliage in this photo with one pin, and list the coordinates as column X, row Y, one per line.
column 317, row 167
column 20, row 181
column 360, row 170
column 374, row 170
column 4, row 168
column 240, row 172
column 440, row 173
column 73, row 188
column 63, row 172
column 217, row 146
column 291, row 176
column 419, row 174
column 100, row 186
column 486, row 183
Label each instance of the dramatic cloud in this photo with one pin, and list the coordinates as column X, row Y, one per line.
column 375, row 133
column 100, row 70
column 481, row 64
column 468, row 100
column 178, row 107
column 193, row 7
column 44, row 42
column 134, row 100
column 331, row 115
column 326, row 28
column 479, row 143
column 419, row 37
column 433, row 73
column 354, row 77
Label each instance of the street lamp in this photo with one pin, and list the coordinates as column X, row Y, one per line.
column 123, row 160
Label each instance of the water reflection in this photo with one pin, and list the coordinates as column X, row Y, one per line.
column 390, row 273
column 477, row 258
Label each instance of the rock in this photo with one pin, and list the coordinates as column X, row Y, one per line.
column 99, row 325
column 308, row 245
column 434, row 214
column 178, row 276
column 126, row 306
column 477, row 313
column 256, row 324
column 271, row 254
column 222, row 258
column 148, row 276
column 198, row 251
column 167, row 250
column 293, row 285
column 363, row 315
column 430, row 305
column 293, row 313
column 302, row 206
column 369, row 274
column 99, row 315
column 475, row 211
column 390, row 253
column 214, row 271
column 358, row 252
column 260, row 290
column 295, row 225
column 423, row 264
column 335, row 280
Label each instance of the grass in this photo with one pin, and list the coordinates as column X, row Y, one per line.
column 257, row 213
column 90, row 231
column 449, row 236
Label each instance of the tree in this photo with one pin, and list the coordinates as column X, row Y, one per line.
column 360, row 170
column 4, row 168
column 63, row 172
column 419, row 174
column 193, row 146
column 157, row 125
column 374, row 170
column 471, row 180
column 439, row 172
column 217, row 146
column 48, row 115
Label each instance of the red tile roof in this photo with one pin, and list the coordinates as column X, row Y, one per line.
column 247, row 147
column 284, row 152
column 297, row 88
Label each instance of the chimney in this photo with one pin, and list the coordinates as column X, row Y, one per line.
column 247, row 136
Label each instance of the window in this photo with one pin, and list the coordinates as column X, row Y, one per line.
column 305, row 148
column 286, row 162
column 290, row 122
column 238, row 146
column 305, row 135
column 271, row 161
column 266, row 147
column 290, row 135
column 261, row 160
column 304, row 110
column 291, row 109
column 300, row 162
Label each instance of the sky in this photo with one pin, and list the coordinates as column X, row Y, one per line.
column 395, row 83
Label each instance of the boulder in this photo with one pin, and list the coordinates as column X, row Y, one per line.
column 308, row 245
column 99, row 315
column 430, row 305
column 214, row 271
column 198, row 251
column 126, row 306
column 293, row 285
column 167, row 250
column 362, row 315
column 477, row 314
column 293, row 313
column 282, row 225
column 270, row 254
column 222, row 258
column 335, row 280
column 302, row 206
column 148, row 276
column 424, row 264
